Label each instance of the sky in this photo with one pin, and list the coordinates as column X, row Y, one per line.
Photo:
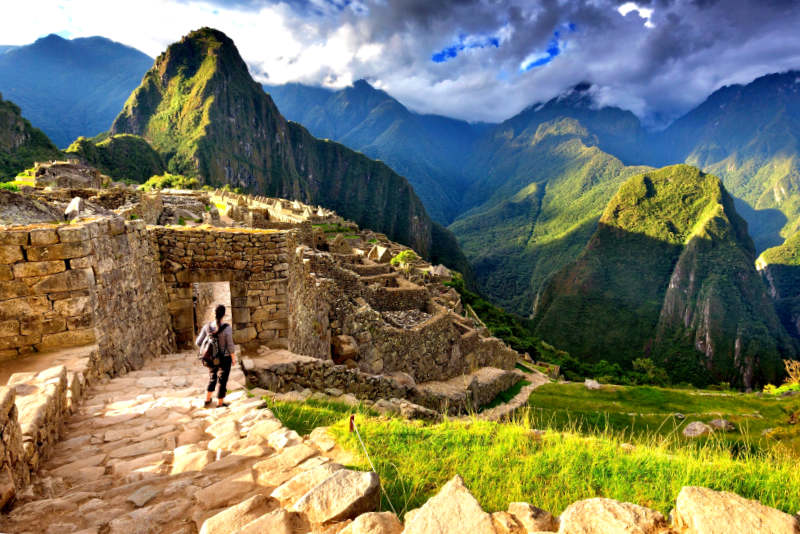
column 478, row 60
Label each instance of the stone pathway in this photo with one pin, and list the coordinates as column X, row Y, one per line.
column 141, row 455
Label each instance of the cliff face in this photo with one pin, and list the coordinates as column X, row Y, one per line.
column 20, row 143
column 201, row 110
column 779, row 267
column 668, row 275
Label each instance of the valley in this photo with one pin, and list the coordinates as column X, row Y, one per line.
column 566, row 320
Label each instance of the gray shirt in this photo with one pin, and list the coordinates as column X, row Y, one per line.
column 225, row 339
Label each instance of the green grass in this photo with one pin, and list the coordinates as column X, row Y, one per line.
column 505, row 462
column 637, row 413
column 303, row 417
column 505, row 396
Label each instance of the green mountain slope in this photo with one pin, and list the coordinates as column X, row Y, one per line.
column 780, row 269
column 70, row 88
column 20, row 143
column 427, row 149
column 544, row 185
column 669, row 274
column 121, row 156
column 748, row 135
column 205, row 115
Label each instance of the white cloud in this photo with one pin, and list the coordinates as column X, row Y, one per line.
column 644, row 12
column 658, row 58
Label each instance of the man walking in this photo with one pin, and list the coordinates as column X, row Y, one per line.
column 218, row 374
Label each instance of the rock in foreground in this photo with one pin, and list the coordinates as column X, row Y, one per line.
column 705, row 511
column 607, row 516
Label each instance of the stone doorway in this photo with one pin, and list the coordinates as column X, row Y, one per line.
column 205, row 298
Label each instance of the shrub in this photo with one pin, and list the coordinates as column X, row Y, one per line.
column 793, row 370
column 7, row 186
column 181, row 221
column 169, row 181
column 405, row 257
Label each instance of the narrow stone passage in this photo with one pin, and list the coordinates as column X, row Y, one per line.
column 142, row 455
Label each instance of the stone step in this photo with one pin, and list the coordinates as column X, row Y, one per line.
column 465, row 393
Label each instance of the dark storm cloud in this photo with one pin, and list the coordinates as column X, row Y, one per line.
column 657, row 63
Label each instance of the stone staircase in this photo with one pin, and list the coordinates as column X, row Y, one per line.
column 142, row 455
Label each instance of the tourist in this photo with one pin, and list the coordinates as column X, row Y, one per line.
column 227, row 350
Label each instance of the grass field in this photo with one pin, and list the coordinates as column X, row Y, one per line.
column 505, row 462
column 639, row 412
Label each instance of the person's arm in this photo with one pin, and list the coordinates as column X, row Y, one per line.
column 201, row 336
column 229, row 343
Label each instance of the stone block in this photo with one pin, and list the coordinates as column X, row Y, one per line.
column 67, row 281
column 9, row 328
column 14, row 237
column 71, row 338
column 10, row 254
column 241, row 315
column 5, row 273
column 13, row 289
column 59, row 251
column 38, row 268
column 43, row 236
column 72, row 306
column 71, row 234
column 244, row 335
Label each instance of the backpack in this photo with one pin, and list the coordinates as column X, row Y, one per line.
column 210, row 354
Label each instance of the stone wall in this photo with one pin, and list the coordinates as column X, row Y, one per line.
column 131, row 323
column 252, row 261
column 327, row 300
column 14, row 473
column 282, row 371
column 71, row 285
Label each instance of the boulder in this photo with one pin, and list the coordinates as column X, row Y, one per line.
column 695, row 429
column 276, row 522
column 344, row 348
column 592, row 384
column 607, row 516
column 505, row 523
column 722, row 424
column 374, row 523
column 701, row 510
column 303, row 482
column 233, row 518
column 453, row 509
column 344, row 495
column 533, row 518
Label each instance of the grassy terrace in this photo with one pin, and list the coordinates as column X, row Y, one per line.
column 570, row 460
column 638, row 413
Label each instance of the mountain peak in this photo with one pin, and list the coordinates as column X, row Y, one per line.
column 52, row 38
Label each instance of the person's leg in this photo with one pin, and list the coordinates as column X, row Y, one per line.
column 225, row 370
column 212, row 383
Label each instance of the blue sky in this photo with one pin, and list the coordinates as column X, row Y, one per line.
column 471, row 59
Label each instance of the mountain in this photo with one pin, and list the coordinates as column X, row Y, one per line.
column 540, row 182
column 780, row 269
column 20, row 143
column 70, row 88
column 748, row 135
column 668, row 274
column 200, row 109
column 427, row 149
column 121, row 156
